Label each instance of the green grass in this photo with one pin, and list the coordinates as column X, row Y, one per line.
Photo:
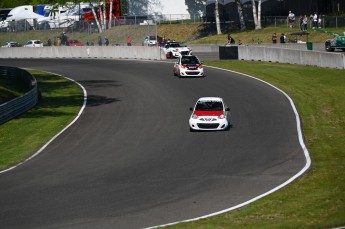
column 24, row 135
column 316, row 200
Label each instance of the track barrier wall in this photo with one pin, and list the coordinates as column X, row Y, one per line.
column 285, row 55
column 116, row 52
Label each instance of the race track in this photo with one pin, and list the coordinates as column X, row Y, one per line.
column 130, row 160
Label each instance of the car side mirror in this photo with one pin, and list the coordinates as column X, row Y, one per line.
column 227, row 109
column 191, row 108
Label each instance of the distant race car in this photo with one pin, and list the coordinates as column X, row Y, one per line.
column 175, row 49
column 75, row 43
column 209, row 113
column 11, row 44
column 188, row 66
column 151, row 41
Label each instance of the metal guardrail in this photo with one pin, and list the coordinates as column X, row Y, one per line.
column 19, row 105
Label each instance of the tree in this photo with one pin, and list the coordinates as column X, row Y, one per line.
column 216, row 12
column 257, row 16
column 196, row 7
column 95, row 16
column 240, row 14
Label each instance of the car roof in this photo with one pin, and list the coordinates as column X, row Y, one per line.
column 210, row 99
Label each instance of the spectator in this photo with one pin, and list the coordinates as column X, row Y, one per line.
column 100, row 41
column 315, row 21
column 305, row 23
column 301, row 22
column 292, row 19
column 274, row 38
column 63, row 38
column 230, row 39
column 49, row 42
column 129, row 41
column 319, row 21
column 58, row 41
column 283, row 38
column 106, row 41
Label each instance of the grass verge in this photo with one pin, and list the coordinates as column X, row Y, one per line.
column 24, row 135
column 316, row 200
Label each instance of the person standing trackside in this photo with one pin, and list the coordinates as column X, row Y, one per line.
column 106, row 41
column 100, row 41
column 129, row 41
column 274, row 38
column 292, row 19
column 282, row 38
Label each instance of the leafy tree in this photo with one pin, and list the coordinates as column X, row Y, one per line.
column 195, row 7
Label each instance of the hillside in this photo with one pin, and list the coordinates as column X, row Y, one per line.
column 196, row 33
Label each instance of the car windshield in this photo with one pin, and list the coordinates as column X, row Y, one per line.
column 175, row 45
column 209, row 106
column 189, row 60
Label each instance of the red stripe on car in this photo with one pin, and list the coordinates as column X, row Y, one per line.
column 208, row 113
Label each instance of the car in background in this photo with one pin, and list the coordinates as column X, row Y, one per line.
column 34, row 43
column 74, row 43
column 152, row 41
column 11, row 44
column 337, row 42
column 176, row 49
column 209, row 113
column 188, row 66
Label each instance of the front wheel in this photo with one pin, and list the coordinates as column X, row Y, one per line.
column 328, row 47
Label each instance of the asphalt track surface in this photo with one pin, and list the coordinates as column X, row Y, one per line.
column 130, row 161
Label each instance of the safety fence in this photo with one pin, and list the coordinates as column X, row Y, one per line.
column 19, row 105
column 79, row 24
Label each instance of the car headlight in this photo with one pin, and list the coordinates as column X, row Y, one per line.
column 221, row 116
column 195, row 116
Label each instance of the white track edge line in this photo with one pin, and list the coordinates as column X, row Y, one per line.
column 301, row 172
column 51, row 140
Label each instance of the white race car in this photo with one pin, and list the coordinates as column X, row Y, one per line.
column 175, row 49
column 209, row 113
column 188, row 66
